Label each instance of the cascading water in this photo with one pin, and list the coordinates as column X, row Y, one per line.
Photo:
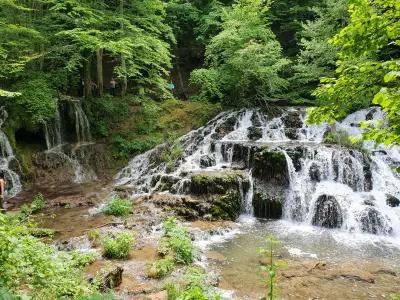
column 56, row 144
column 288, row 166
column 82, row 126
column 8, row 162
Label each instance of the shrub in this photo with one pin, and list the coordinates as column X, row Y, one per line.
column 178, row 241
column 161, row 267
column 25, row 261
column 342, row 138
column 38, row 203
column 118, row 207
column 119, row 246
column 192, row 286
column 94, row 237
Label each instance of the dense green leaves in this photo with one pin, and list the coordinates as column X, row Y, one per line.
column 244, row 60
column 368, row 69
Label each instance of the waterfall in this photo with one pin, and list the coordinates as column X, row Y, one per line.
column 82, row 126
column 328, row 185
column 8, row 162
column 52, row 130
column 55, row 131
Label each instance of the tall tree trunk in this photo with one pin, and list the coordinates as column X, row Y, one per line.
column 100, row 81
column 87, row 78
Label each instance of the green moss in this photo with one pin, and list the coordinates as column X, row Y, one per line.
column 212, row 184
column 227, row 206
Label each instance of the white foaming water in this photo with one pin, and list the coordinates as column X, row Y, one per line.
column 8, row 162
column 329, row 186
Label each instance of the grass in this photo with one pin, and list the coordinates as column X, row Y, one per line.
column 178, row 242
column 118, row 247
column 343, row 139
column 161, row 267
column 118, row 207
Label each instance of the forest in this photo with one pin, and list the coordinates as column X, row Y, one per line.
column 146, row 143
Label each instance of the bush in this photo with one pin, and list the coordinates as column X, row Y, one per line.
column 343, row 139
column 25, row 261
column 38, row 203
column 178, row 242
column 126, row 148
column 118, row 207
column 161, row 267
column 94, row 237
column 192, row 286
column 119, row 246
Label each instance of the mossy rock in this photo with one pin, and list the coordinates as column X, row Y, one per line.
column 227, row 206
column 206, row 184
column 271, row 165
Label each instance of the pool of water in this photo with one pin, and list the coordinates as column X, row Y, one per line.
column 302, row 247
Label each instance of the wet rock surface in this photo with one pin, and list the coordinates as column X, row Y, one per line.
column 328, row 213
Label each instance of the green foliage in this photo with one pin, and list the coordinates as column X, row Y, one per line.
column 26, row 261
column 118, row 207
column 368, row 69
column 244, row 60
column 170, row 156
column 192, row 286
column 36, row 103
column 271, row 268
column 38, row 203
column 119, row 246
column 94, row 237
column 177, row 242
column 161, row 267
column 317, row 56
column 128, row 149
column 343, row 139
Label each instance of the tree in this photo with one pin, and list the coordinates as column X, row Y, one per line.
column 317, row 56
column 368, row 69
column 244, row 60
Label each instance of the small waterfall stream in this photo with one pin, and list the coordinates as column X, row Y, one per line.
column 324, row 185
column 56, row 142
column 8, row 162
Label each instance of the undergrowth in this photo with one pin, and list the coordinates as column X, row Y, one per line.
column 118, row 207
column 119, row 246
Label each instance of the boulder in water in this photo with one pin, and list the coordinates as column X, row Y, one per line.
column 373, row 222
column 271, row 166
column 291, row 133
column 254, row 133
column 392, row 201
column 207, row 161
column 111, row 279
column 220, row 193
column 328, row 213
column 223, row 129
column 314, row 172
column 292, row 120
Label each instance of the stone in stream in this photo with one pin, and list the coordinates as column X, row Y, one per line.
column 254, row 133
column 392, row 201
column 271, row 180
column 327, row 212
column 111, row 280
column 207, row 160
column 373, row 222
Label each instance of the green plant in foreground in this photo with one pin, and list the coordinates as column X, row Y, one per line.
column 178, row 242
column 271, row 267
column 161, row 267
column 25, row 261
column 38, row 203
column 118, row 207
column 119, row 246
column 191, row 286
